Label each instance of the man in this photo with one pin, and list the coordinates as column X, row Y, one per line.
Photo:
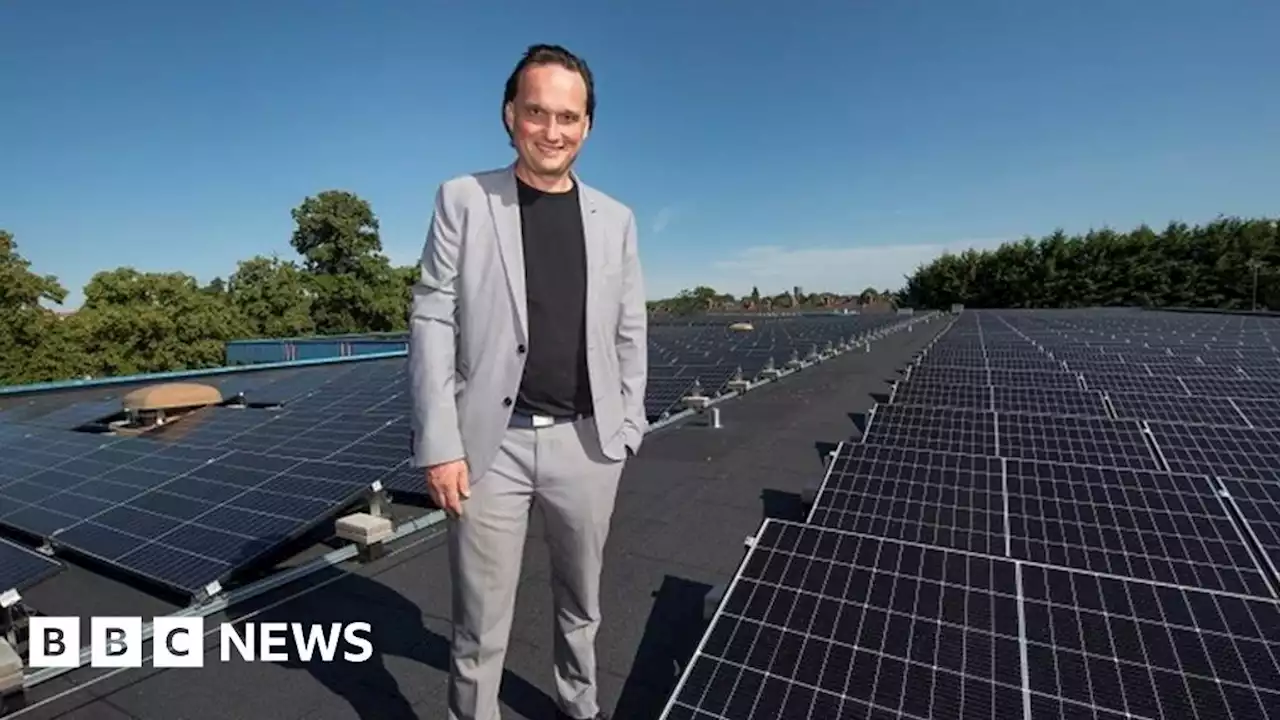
column 528, row 362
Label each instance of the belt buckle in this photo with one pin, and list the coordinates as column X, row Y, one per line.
column 542, row 421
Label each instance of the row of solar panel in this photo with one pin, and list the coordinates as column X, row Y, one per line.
column 198, row 500
column 975, row 562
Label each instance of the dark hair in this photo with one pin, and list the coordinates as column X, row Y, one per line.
column 550, row 55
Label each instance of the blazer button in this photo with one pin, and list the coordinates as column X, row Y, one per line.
column 506, row 402
column 520, row 349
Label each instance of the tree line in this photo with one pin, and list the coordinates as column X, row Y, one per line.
column 341, row 282
column 142, row 322
column 1229, row 263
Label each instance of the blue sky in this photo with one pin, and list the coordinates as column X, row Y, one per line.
column 831, row 145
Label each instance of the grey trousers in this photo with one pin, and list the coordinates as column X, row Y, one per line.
column 562, row 469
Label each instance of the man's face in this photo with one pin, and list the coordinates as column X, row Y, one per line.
column 548, row 118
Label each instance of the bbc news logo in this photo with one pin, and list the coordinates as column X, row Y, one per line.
column 179, row 642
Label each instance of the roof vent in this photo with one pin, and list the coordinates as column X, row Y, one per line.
column 742, row 327
column 157, row 405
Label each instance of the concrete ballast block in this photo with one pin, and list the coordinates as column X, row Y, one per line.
column 364, row 528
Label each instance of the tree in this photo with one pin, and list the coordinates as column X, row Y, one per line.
column 1207, row 266
column 135, row 322
column 335, row 232
column 353, row 286
column 34, row 343
column 273, row 298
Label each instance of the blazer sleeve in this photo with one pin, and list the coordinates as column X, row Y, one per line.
column 632, row 340
column 433, row 324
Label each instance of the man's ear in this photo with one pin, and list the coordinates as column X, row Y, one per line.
column 509, row 118
column 586, row 128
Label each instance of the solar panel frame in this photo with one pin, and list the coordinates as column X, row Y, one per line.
column 1141, row 524
column 1154, row 650
column 1189, row 410
column 824, row 623
column 1148, row 525
column 965, row 397
column 1258, row 505
column 1048, row 401
column 907, row 494
column 1143, row 384
column 964, row 432
column 1263, row 414
column 1237, row 389
column 1251, row 454
column 815, row 670
column 1100, row 442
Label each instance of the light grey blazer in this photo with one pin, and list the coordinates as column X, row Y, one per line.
column 469, row 323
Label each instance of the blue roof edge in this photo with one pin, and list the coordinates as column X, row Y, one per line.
column 201, row 372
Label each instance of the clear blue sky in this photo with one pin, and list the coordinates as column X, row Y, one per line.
column 831, row 145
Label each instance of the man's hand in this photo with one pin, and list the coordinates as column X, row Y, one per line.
column 449, row 485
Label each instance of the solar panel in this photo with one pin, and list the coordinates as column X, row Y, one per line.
column 1132, row 523
column 1262, row 414
column 1221, row 452
column 297, row 384
column 971, row 397
column 1076, row 440
column 663, row 396
column 281, row 433
column 1048, row 401
column 1259, row 505
column 1044, row 380
column 29, row 450
column 21, row 568
column 964, row 432
column 72, row 416
column 1258, row 371
column 1145, row 384
column 821, row 623
column 1178, row 409
column 925, row 373
column 1025, row 363
column 1139, row 524
column 185, row 516
column 1108, row 647
column 1191, row 368
column 1239, row 389
column 824, row 624
column 918, row 495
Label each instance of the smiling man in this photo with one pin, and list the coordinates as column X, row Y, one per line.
column 528, row 363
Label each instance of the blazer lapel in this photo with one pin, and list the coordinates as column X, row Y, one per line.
column 504, row 203
column 594, row 251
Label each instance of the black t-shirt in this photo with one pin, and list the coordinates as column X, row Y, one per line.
column 555, row 378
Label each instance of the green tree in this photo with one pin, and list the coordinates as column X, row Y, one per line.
column 354, row 288
column 35, row 344
column 135, row 322
column 1206, row 266
column 272, row 297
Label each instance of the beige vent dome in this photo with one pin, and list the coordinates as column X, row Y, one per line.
column 742, row 327
column 171, row 396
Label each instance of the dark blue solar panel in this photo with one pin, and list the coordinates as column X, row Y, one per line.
column 821, row 623
column 966, row 432
column 21, row 568
column 185, row 516
column 1077, row 440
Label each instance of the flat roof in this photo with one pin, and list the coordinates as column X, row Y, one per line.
column 686, row 504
